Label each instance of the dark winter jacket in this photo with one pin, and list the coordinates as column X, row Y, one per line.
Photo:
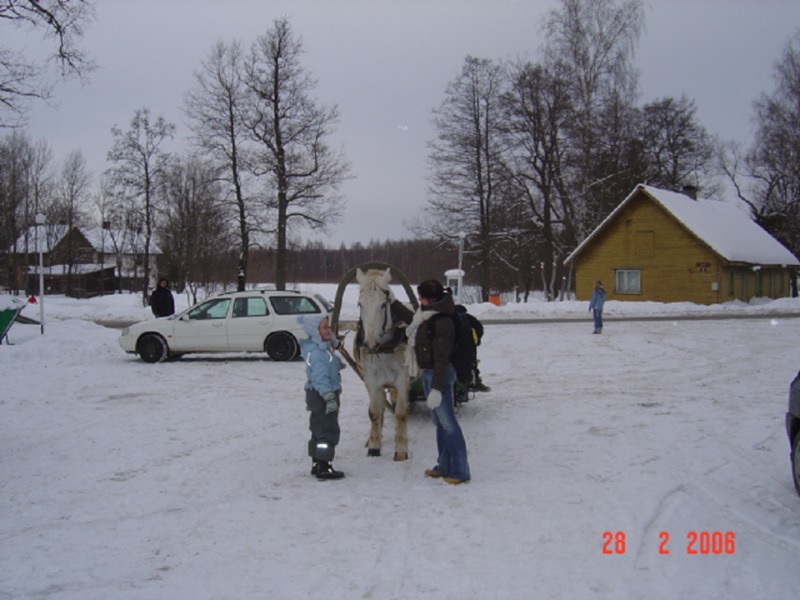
column 161, row 301
column 434, row 352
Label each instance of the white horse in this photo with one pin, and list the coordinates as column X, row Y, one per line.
column 379, row 349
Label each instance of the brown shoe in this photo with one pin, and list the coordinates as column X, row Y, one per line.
column 432, row 473
column 454, row 480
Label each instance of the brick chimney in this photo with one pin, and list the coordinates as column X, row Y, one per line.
column 691, row 191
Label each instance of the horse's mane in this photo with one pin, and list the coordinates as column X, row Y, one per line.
column 373, row 277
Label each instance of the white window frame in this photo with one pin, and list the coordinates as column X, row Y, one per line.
column 628, row 281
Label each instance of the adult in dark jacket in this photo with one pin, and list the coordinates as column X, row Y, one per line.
column 431, row 356
column 161, row 301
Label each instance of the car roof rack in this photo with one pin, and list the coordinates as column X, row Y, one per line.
column 260, row 291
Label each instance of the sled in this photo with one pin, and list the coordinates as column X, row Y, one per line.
column 7, row 318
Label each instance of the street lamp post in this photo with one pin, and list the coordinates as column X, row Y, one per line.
column 119, row 272
column 461, row 236
column 455, row 277
column 40, row 238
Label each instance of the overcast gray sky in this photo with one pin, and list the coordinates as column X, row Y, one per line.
column 386, row 64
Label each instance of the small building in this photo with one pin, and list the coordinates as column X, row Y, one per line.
column 665, row 246
column 82, row 262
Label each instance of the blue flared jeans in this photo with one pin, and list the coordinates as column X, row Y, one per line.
column 597, row 313
column 450, row 441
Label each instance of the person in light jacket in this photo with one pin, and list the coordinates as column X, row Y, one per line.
column 323, row 390
column 596, row 305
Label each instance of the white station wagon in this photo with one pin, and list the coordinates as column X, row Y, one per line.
column 250, row 321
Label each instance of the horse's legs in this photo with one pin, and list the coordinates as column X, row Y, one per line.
column 376, row 408
column 401, row 420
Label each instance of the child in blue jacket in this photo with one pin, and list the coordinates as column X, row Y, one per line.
column 323, row 388
column 596, row 305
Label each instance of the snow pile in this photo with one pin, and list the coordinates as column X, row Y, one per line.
column 649, row 462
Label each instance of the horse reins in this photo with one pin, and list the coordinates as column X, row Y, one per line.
column 397, row 334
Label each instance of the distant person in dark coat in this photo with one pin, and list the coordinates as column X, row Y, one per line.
column 161, row 301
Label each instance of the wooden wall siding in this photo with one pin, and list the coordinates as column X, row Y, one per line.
column 74, row 248
column 675, row 266
column 742, row 283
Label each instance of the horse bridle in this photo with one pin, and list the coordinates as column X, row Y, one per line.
column 384, row 347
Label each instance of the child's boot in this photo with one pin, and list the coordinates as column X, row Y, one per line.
column 326, row 471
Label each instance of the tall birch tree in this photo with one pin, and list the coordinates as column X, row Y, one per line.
column 140, row 163
column 299, row 171
column 215, row 108
column 466, row 162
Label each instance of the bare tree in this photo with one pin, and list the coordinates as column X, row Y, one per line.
column 301, row 174
column 466, row 161
column 676, row 149
column 537, row 113
column 194, row 233
column 773, row 162
column 22, row 78
column 71, row 204
column 590, row 44
column 214, row 107
column 26, row 188
column 140, row 164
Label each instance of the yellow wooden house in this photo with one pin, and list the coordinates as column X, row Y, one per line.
column 665, row 246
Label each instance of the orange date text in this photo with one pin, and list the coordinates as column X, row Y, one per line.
column 694, row 543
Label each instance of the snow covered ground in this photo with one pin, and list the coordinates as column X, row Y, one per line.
column 649, row 462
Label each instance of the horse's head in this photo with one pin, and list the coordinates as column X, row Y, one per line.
column 374, row 307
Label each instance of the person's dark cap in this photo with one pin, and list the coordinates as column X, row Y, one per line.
column 431, row 289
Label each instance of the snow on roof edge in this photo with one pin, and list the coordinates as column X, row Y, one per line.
column 728, row 232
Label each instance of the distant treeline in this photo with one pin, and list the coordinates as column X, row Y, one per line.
column 314, row 263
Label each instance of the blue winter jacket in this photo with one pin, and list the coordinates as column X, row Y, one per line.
column 322, row 365
column 597, row 300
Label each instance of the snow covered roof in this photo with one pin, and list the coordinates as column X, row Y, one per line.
column 47, row 234
column 722, row 226
column 102, row 240
column 77, row 269
column 130, row 243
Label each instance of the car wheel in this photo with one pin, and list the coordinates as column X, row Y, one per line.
column 152, row 348
column 796, row 461
column 281, row 346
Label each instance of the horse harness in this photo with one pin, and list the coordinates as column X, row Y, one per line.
column 398, row 333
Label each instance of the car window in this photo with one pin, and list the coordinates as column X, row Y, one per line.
column 324, row 302
column 212, row 309
column 293, row 305
column 249, row 307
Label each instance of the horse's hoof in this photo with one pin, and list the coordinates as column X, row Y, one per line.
column 374, row 452
column 400, row 456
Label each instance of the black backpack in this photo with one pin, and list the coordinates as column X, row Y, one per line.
column 468, row 333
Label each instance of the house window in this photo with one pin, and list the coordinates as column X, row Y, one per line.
column 628, row 281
